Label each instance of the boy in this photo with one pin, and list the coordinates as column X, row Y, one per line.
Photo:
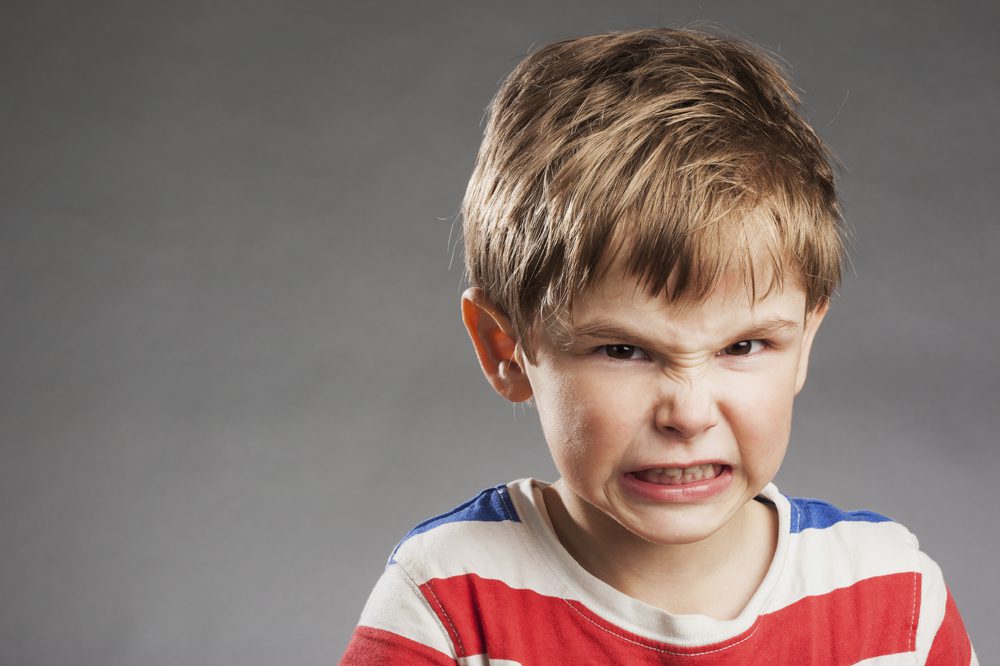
column 652, row 236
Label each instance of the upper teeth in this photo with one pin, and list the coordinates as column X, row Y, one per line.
column 696, row 471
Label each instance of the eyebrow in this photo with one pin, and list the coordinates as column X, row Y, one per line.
column 607, row 328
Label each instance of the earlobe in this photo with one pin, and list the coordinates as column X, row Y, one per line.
column 813, row 320
column 492, row 336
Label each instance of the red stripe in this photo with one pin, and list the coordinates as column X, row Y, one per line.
column 951, row 642
column 873, row 617
column 376, row 646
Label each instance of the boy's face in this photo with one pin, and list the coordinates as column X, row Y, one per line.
column 667, row 419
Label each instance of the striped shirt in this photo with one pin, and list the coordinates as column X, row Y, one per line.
column 489, row 583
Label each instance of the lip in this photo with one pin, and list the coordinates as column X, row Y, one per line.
column 693, row 491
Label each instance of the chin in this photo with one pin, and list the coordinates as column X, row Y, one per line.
column 674, row 537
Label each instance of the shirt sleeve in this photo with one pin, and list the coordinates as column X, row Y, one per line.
column 398, row 626
column 941, row 637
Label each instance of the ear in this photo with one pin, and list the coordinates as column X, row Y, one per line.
column 813, row 320
column 492, row 336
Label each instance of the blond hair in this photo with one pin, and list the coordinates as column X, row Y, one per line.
column 674, row 154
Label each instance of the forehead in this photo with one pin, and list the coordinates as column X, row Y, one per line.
column 619, row 303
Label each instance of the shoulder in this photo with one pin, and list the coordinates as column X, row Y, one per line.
column 873, row 565
column 824, row 547
column 808, row 513
column 859, row 538
column 480, row 535
column 413, row 613
column 830, row 548
column 492, row 505
column 850, row 564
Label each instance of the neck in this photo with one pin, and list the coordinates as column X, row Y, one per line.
column 715, row 576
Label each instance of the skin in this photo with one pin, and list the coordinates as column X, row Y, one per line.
column 641, row 383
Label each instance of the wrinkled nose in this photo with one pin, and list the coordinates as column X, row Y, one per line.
column 687, row 409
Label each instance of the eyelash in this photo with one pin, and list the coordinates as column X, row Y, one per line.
column 763, row 344
column 632, row 349
column 606, row 350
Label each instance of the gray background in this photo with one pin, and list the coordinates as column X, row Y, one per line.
column 233, row 372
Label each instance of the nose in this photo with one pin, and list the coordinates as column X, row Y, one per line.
column 687, row 408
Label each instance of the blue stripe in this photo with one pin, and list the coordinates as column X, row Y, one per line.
column 813, row 513
column 491, row 505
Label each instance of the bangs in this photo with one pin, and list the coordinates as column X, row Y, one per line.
column 679, row 236
column 745, row 243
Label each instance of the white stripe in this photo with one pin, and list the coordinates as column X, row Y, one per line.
column 494, row 550
column 898, row 659
column 483, row 660
column 842, row 555
column 397, row 606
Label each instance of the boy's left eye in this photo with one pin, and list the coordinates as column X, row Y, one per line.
column 743, row 348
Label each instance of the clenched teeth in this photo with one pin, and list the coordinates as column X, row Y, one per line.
column 676, row 475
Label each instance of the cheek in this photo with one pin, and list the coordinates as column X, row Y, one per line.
column 761, row 419
column 582, row 421
column 561, row 412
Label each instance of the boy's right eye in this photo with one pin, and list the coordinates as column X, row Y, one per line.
column 624, row 352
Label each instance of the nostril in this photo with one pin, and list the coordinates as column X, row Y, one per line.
column 686, row 429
